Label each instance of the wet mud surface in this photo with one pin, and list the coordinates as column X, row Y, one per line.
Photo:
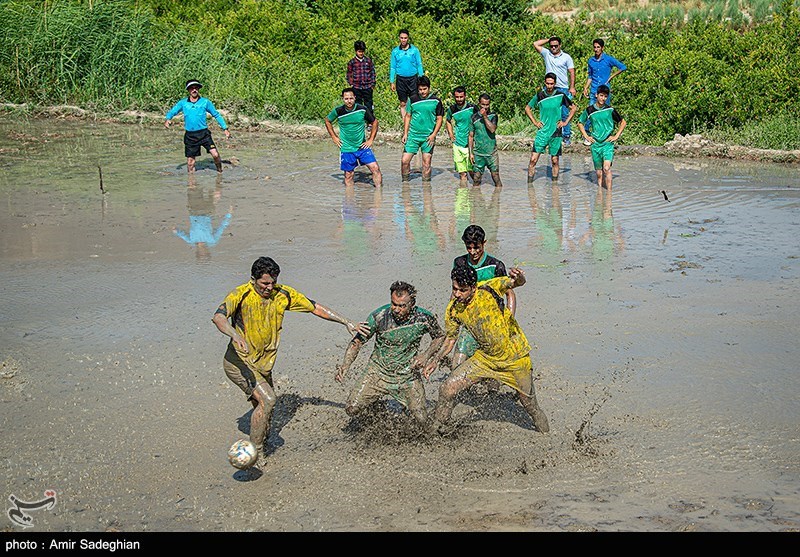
column 664, row 324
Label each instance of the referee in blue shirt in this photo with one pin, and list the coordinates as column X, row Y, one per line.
column 195, row 108
column 405, row 68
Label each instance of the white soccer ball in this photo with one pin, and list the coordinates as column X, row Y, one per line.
column 242, row 454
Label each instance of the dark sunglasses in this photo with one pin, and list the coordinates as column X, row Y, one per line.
column 554, row 46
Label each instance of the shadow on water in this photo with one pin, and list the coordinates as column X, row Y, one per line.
column 285, row 410
column 494, row 407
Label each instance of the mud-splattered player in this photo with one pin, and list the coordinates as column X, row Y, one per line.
column 252, row 315
column 503, row 350
column 395, row 364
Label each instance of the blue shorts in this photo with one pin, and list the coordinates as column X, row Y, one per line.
column 350, row 161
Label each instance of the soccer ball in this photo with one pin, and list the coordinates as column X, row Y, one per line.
column 242, row 454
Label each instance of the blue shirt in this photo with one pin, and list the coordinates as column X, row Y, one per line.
column 194, row 114
column 202, row 231
column 405, row 63
column 600, row 70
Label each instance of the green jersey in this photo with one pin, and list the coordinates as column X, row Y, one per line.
column 487, row 268
column 603, row 120
column 423, row 115
column 484, row 142
column 461, row 118
column 352, row 124
column 549, row 111
column 397, row 342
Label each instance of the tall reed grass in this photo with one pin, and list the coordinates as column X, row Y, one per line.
column 280, row 60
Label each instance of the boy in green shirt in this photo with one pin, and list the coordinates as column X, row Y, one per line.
column 603, row 119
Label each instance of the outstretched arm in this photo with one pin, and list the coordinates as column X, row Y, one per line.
column 329, row 315
column 420, row 361
column 511, row 301
column 349, row 357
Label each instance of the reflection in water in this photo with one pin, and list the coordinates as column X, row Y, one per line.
column 472, row 207
column 486, row 213
column 462, row 214
column 360, row 227
column 415, row 215
column 602, row 235
column 202, row 209
column 548, row 216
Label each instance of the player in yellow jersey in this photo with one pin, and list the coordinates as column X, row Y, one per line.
column 503, row 350
column 252, row 315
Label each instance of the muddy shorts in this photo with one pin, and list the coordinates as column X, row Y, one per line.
column 240, row 373
column 602, row 151
column 517, row 374
column 552, row 144
column 193, row 141
column 372, row 386
column 461, row 159
column 492, row 162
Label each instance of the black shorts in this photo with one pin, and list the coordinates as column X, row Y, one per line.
column 364, row 96
column 405, row 86
column 192, row 141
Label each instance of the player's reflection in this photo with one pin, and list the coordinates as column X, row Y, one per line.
column 202, row 205
column 419, row 222
column 604, row 237
column 486, row 214
column 548, row 216
column 359, row 229
column 462, row 214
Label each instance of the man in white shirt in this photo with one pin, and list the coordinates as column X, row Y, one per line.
column 560, row 63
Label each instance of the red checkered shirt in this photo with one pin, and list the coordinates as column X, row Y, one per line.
column 361, row 73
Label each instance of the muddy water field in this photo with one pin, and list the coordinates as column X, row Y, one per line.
column 663, row 322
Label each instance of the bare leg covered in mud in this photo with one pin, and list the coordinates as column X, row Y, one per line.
column 459, row 380
column 264, row 399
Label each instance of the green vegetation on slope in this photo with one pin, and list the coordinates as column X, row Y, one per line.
column 286, row 60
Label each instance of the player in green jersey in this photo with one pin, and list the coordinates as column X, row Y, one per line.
column 395, row 365
column 483, row 142
column 458, row 122
column 355, row 147
column 603, row 119
column 423, row 119
column 548, row 137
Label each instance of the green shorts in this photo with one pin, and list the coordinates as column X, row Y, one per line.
column 461, row 159
column 552, row 144
column 483, row 161
column 602, row 151
column 415, row 143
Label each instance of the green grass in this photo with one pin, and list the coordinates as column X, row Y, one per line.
column 267, row 59
column 781, row 132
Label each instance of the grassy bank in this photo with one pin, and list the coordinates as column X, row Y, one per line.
column 286, row 60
